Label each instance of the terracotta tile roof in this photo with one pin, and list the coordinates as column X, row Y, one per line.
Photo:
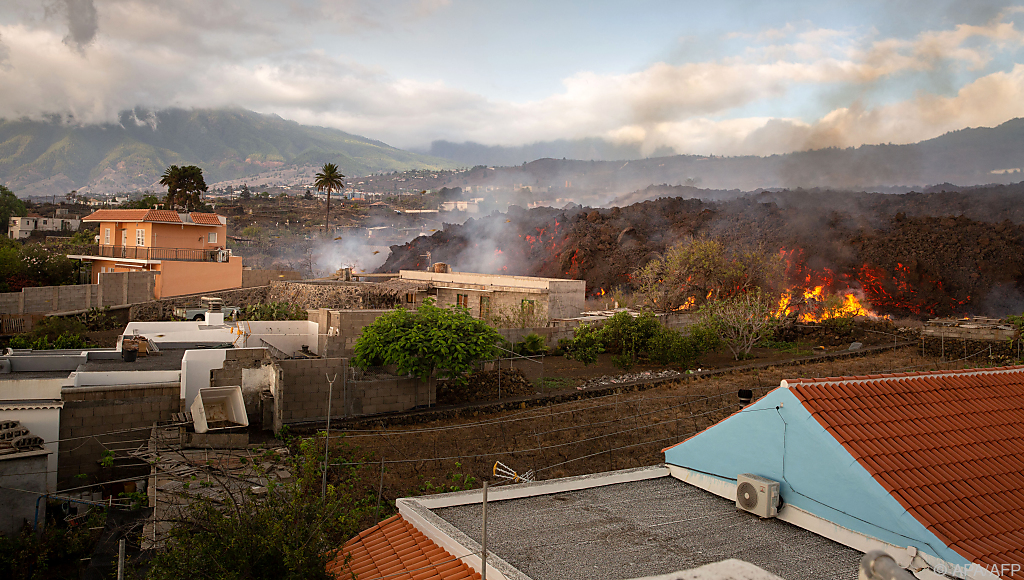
column 396, row 550
column 134, row 215
column 948, row 446
column 210, row 219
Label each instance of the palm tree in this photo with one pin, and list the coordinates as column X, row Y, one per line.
column 329, row 180
column 185, row 185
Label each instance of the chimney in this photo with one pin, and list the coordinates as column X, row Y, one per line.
column 214, row 310
column 745, row 395
column 441, row 268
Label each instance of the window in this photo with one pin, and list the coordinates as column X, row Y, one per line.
column 462, row 300
column 485, row 306
column 106, row 236
column 529, row 306
column 410, row 298
column 140, row 237
column 211, row 238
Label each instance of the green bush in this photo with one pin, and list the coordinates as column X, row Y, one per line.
column 632, row 339
column 62, row 341
column 532, row 344
column 272, row 311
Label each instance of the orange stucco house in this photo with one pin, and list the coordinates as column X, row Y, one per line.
column 187, row 250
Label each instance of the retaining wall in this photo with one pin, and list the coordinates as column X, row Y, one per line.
column 162, row 309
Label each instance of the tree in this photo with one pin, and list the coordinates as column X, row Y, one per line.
column 430, row 339
column 185, row 186
column 10, row 205
column 246, row 194
column 329, row 180
column 698, row 270
column 742, row 320
column 147, row 202
column 308, row 195
column 290, row 533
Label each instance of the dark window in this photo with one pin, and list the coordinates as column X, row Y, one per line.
column 462, row 300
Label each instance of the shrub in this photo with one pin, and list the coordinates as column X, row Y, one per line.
column 532, row 344
column 273, row 311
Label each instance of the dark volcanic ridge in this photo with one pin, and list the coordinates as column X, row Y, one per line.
column 915, row 254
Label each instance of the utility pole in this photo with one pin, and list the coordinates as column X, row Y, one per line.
column 327, row 437
column 483, row 544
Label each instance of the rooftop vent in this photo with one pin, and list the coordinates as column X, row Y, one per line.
column 746, row 395
column 214, row 310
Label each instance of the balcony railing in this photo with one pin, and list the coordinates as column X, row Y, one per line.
column 143, row 253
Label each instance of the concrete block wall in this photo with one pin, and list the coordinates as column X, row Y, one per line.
column 304, row 387
column 116, row 417
column 242, row 368
column 113, row 289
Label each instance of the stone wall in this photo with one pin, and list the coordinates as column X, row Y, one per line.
column 163, row 308
column 252, row 278
column 334, row 295
column 954, row 348
column 110, row 417
column 303, row 390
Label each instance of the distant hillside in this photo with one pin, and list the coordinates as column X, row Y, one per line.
column 964, row 157
column 470, row 153
column 53, row 157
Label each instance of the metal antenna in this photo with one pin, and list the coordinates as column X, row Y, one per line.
column 507, row 473
column 327, row 438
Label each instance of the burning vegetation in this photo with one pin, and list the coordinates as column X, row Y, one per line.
column 827, row 254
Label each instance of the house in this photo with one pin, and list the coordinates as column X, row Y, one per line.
column 534, row 300
column 929, row 463
column 186, row 250
column 927, row 468
column 19, row 228
column 23, row 475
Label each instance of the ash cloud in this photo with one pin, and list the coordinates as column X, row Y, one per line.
column 82, row 21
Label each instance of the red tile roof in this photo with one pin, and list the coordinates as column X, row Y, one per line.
column 134, row 215
column 210, row 219
column 948, row 446
column 398, row 551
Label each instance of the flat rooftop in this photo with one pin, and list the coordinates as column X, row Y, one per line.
column 645, row 528
column 165, row 360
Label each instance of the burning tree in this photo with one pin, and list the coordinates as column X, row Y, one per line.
column 698, row 270
column 742, row 320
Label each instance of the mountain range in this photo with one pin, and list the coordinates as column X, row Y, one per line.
column 57, row 155
column 970, row 156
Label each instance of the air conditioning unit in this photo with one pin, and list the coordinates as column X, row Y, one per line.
column 757, row 495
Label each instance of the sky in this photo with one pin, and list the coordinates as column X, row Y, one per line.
column 732, row 77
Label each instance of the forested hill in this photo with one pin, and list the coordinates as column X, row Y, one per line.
column 56, row 156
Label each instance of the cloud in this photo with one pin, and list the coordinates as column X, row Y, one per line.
column 191, row 53
column 81, row 19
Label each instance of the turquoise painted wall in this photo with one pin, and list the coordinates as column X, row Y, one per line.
column 777, row 438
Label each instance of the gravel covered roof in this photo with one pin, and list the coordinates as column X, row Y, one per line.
column 644, row 528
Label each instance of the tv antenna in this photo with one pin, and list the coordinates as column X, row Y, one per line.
column 507, row 473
